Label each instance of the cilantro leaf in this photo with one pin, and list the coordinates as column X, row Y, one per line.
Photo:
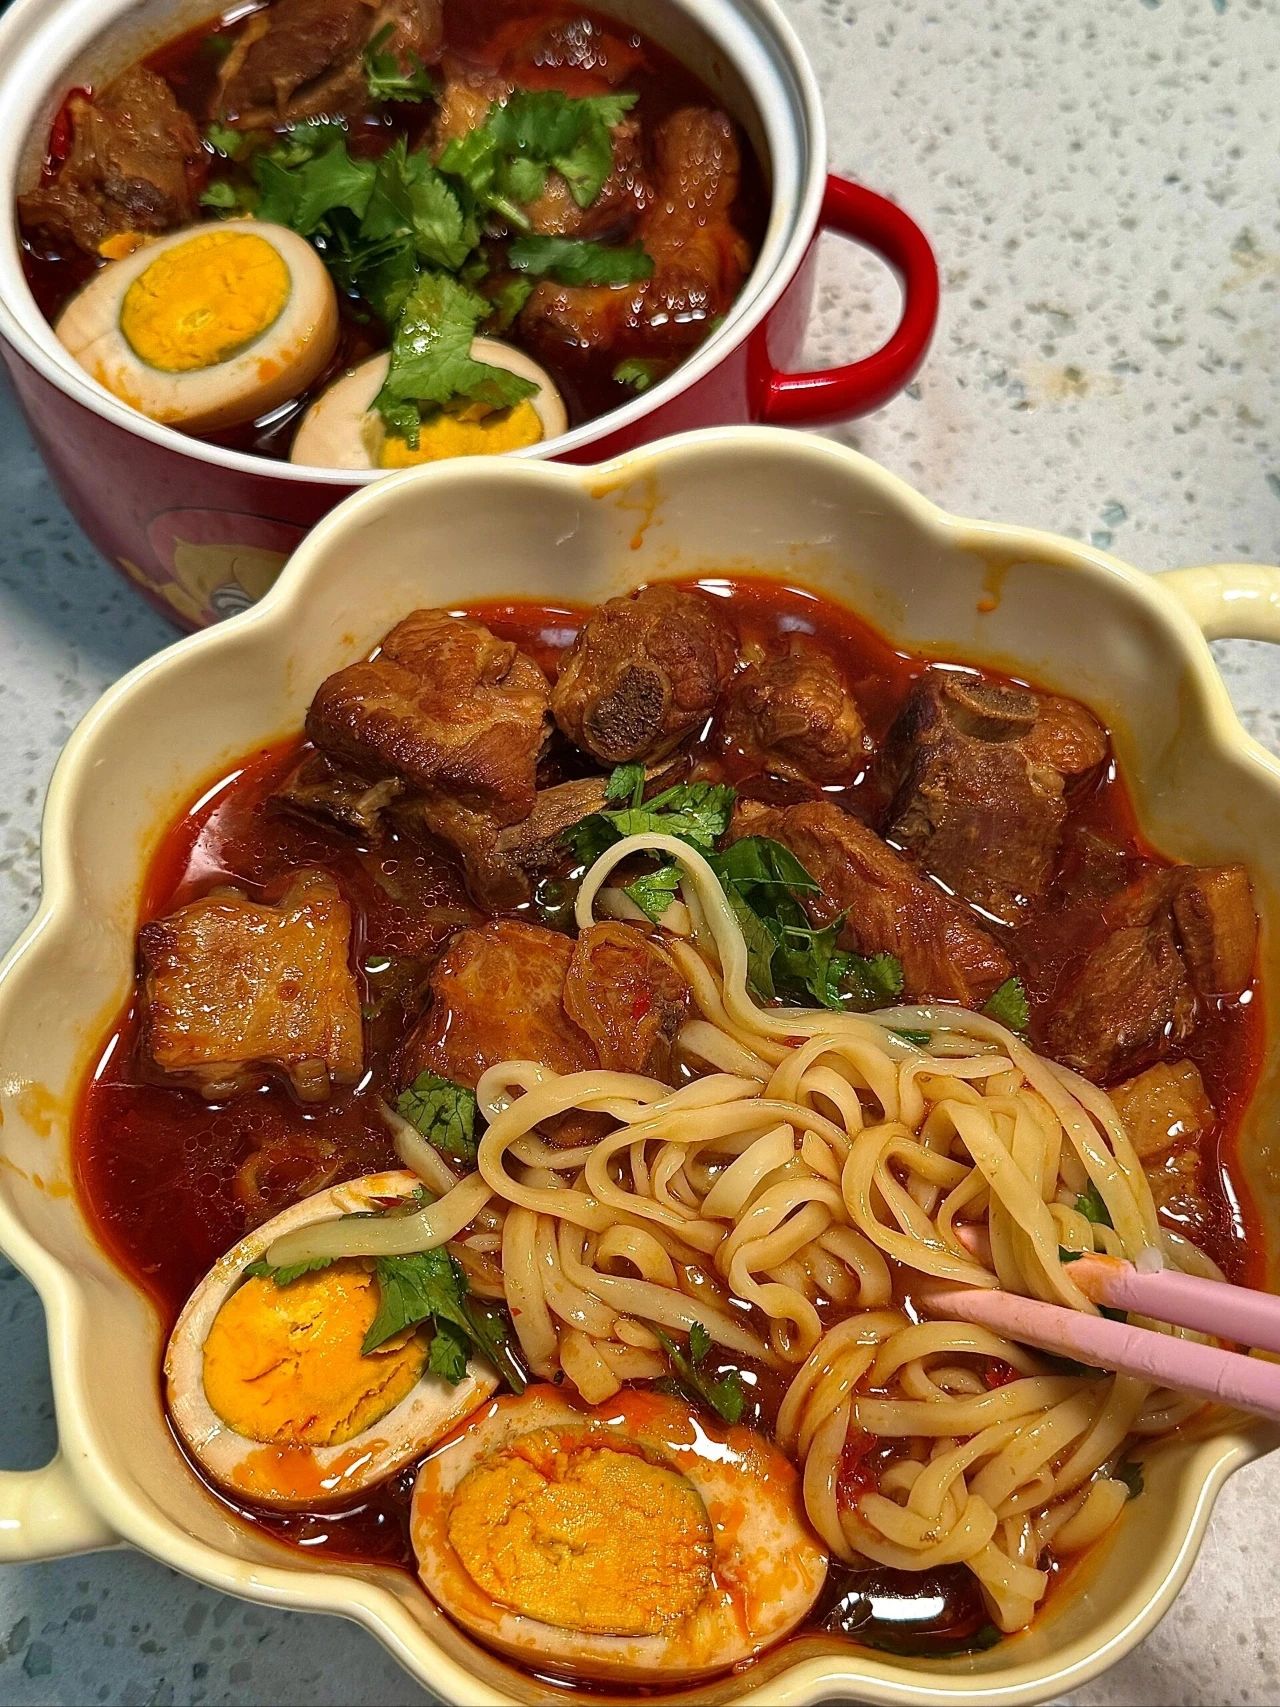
column 1009, row 1005
column 413, row 204
column 694, row 812
column 573, row 135
column 1130, row 1473
column 758, row 860
column 626, row 782
column 444, row 1113
column 919, row 1038
column 431, row 360
column 387, row 76
column 785, row 953
column 430, row 1286
column 287, row 1273
column 723, row 1394
column 655, row 891
column 639, row 373
column 490, row 1328
column 574, row 261
column 450, row 1347
column 226, row 197
column 425, row 1287
column 506, row 302
column 225, row 141
column 309, row 177
column 762, row 945
column 1090, row 1205
column 878, row 977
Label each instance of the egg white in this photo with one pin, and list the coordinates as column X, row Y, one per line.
column 280, row 363
column 341, row 429
column 768, row 1567
column 427, row 1412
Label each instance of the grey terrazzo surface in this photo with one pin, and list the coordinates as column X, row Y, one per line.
column 1100, row 181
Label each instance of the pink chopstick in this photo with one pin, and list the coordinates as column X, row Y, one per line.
column 1214, row 1307
column 1206, row 1371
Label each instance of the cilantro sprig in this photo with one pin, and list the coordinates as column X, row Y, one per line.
column 639, row 372
column 412, row 237
column 428, row 1287
column 722, row 1394
column 1090, row 1205
column 431, row 360
column 506, row 160
column 444, row 1113
column 1009, row 1005
column 573, row 261
column 392, row 77
column 787, row 957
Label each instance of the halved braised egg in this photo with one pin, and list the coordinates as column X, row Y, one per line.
column 638, row 1541
column 209, row 326
column 269, row 1388
column 342, row 429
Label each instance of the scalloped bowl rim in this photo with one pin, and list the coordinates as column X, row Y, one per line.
column 808, row 1680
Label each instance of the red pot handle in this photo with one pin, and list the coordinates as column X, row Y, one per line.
column 823, row 397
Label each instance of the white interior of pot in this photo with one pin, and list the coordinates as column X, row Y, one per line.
column 806, row 515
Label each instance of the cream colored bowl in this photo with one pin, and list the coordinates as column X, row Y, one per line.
column 729, row 502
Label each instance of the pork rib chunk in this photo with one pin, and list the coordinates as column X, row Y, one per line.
column 982, row 771
column 644, row 672
column 446, row 707
column 136, row 164
column 305, row 59
column 792, row 716
column 1175, row 937
column 699, row 257
column 233, row 987
column 512, row 991
column 466, row 96
column 888, row 905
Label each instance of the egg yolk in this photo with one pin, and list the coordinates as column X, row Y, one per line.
column 453, row 435
column 583, row 1536
column 203, row 301
column 283, row 1363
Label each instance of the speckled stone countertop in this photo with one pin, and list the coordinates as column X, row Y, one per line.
column 1099, row 179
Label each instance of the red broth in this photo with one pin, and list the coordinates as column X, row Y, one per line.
column 170, row 1182
column 484, row 32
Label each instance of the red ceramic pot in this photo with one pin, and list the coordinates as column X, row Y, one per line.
column 201, row 531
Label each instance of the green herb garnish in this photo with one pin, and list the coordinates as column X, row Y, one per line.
column 225, row 141
column 574, row 261
column 787, row 957
column 655, row 892
column 431, row 360
column 639, row 373
column 919, row 1038
column 1009, row 1005
column 444, row 1113
column 287, row 1273
column 723, row 1394
column 505, row 160
column 695, row 812
column 1090, row 1205
column 387, row 79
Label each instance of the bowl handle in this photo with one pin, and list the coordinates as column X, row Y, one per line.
column 821, row 398
column 44, row 1514
column 1229, row 601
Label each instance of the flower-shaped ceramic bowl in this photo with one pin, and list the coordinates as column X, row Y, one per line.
column 734, row 501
